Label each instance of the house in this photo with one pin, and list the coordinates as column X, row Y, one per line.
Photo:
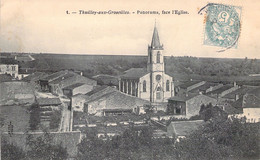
column 78, row 100
column 188, row 105
column 55, row 82
column 48, row 101
column 108, row 80
column 251, row 106
column 77, row 88
column 114, row 103
column 181, row 129
column 204, row 88
column 183, row 88
column 9, row 66
column 22, row 73
column 222, row 91
column 150, row 83
column 239, row 93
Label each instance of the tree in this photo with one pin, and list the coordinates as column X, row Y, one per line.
column 10, row 151
column 42, row 147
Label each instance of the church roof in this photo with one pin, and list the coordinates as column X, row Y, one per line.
column 134, row 73
column 155, row 40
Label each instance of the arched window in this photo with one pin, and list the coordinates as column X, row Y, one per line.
column 167, row 86
column 144, row 86
column 158, row 57
column 158, row 93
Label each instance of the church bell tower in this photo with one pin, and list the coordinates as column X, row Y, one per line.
column 155, row 66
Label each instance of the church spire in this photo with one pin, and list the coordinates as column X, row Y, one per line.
column 155, row 40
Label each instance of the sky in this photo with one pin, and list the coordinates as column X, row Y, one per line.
column 32, row 26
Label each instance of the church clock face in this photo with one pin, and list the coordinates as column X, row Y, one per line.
column 158, row 78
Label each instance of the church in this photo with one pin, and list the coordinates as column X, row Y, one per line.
column 150, row 83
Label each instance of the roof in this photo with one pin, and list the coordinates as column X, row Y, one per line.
column 118, row 100
column 73, row 86
column 251, row 101
column 183, row 98
column 35, row 76
column 25, row 71
column 101, row 89
column 184, row 128
column 104, row 79
column 48, row 101
column 134, row 73
column 240, row 91
column 54, row 75
column 187, row 84
column 204, row 87
column 8, row 61
column 5, row 77
column 221, row 89
column 155, row 40
column 61, row 78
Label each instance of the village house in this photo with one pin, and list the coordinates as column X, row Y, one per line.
column 108, row 80
column 77, row 88
column 181, row 129
column 150, row 83
column 251, row 106
column 239, row 93
column 183, row 88
column 78, row 100
column 222, row 91
column 55, row 82
column 205, row 88
column 9, row 66
column 188, row 105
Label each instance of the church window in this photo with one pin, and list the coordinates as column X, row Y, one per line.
column 167, row 85
column 144, row 86
column 158, row 57
column 158, row 93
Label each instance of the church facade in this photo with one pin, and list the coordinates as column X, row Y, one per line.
column 149, row 83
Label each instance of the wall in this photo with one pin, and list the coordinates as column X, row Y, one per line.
column 193, row 105
column 7, row 68
column 144, row 95
column 252, row 114
column 77, row 103
column 83, row 89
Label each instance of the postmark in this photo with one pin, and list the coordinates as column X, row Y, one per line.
column 222, row 25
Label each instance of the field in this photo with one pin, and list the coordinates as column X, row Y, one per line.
column 181, row 68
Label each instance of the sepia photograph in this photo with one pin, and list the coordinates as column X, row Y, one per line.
column 136, row 80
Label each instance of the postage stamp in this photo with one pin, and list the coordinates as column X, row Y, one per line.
column 223, row 24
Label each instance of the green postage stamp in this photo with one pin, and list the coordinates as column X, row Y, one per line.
column 223, row 24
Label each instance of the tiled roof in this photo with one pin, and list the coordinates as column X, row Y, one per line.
column 63, row 77
column 251, row 101
column 106, row 79
column 134, row 73
column 221, row 89
column 119, row 100
column 204, row 87
column 187, row 84
column 54, row 75
column 48, row 101
column 241, row 91
column 184, row 128
column 8, row 61
column 35, row 76
column 73, row 86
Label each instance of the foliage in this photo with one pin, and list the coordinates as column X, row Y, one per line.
column 221, row 140
column 55, row 119
column 11, row 152
column 42, row 147
column 34, row 116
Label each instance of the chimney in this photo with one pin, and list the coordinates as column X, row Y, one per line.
column 235, row 84
column 81, row 73
column 236, row 97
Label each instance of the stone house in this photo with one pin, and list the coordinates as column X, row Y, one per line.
column 188, row 105
column 9, row 66
column 78, row 88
